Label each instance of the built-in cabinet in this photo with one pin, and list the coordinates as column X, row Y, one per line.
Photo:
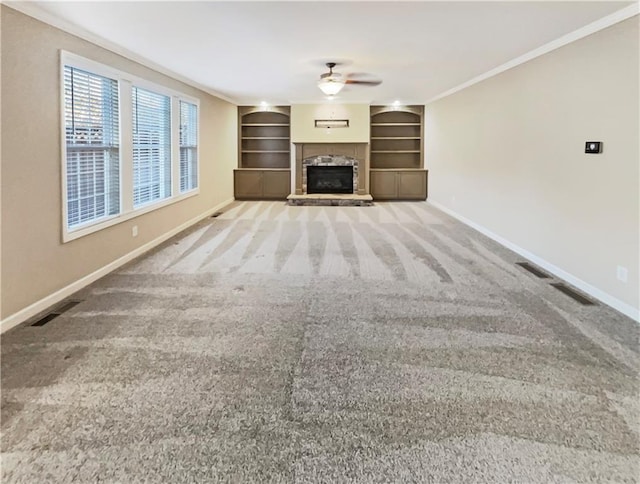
column 397, row 146
column 257, row 184
column 264, row 153
column 404, row 184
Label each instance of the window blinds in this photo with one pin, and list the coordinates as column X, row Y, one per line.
column 92, row 146
column 188, row 146
column 120, row 161
column 151, row 146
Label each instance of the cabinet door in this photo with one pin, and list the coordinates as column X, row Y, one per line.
column 276, row 184
column 412, row 185
column 384, row 184
column 247, row 184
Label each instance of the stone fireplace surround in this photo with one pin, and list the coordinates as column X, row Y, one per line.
column 329, row 160
column 332, row 154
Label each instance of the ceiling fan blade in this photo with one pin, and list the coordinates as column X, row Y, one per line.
column 363, row 83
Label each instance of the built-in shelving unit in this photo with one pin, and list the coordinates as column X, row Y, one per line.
column 396, row 136
column 264, row 153
column 397, row 167
column 264, row 137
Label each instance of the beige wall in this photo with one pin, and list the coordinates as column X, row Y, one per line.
column 303, row 128
column 508, row 154
column 35, row 263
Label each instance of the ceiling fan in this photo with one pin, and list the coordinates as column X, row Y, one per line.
column 331, row 83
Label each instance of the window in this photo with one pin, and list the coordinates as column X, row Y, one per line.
column 129, row 146
column 92, row 147
column 151, row 146
column 188, row 146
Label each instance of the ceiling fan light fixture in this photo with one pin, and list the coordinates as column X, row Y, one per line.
column 330, row 86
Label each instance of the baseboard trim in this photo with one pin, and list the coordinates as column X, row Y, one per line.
column 48, row 301
column 593, row 291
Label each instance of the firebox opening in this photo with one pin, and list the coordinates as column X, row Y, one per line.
column 330, row 179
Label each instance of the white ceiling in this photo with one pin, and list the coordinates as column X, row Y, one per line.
column 275, row 51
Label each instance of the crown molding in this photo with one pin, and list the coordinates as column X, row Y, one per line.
column 578, row 34
column 33, row 10
column 36, row 12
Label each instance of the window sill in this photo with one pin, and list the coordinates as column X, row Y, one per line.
column 69, row 235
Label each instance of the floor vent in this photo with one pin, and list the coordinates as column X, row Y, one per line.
column 67, row 305
column 46, row 319
column 563, row 288
column 534, row 270
column 56, row 312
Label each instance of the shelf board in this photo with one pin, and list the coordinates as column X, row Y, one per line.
column 262, row 125
column 394, row 124
column 404, row 170
column 265, row 137
column 395, row 151
column 395, row 137
column 261, row 169
column 265, row 151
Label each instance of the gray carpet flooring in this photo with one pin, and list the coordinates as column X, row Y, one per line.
column 323, row 344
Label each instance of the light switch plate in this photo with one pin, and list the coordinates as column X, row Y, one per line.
column 593, row 147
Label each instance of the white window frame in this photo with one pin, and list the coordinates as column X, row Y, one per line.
column 197, row 187
column 172, row 129
column 125, row 83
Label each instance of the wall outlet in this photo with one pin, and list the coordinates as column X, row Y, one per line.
column 134, row 231
column 622, row 274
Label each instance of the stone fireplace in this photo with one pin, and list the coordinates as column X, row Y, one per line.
column 330, row 161
column 329, row 174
